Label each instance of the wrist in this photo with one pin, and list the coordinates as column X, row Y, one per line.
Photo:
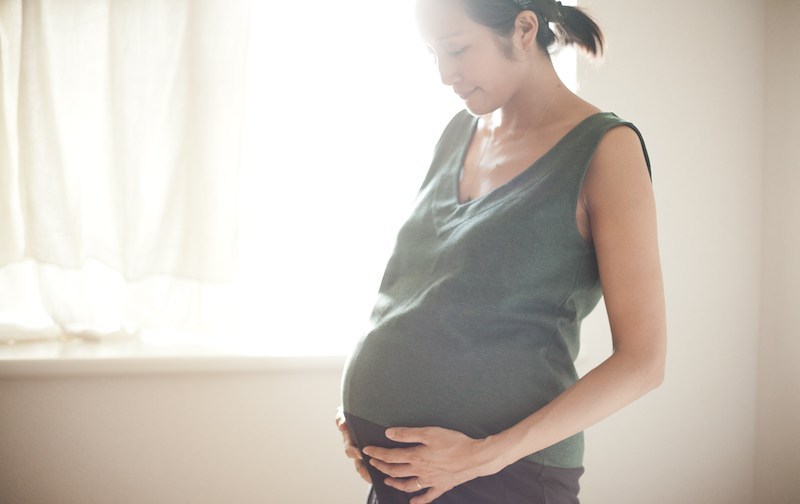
column 496, row 454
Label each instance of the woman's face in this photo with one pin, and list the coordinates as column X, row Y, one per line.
column 470, row 57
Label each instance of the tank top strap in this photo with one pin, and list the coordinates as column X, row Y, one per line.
column 593, row 128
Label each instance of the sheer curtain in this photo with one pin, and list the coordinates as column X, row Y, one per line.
column 225, row 173
column 200, row 171
column 120, row 153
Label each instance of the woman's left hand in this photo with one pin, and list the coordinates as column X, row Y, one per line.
column 442, row 460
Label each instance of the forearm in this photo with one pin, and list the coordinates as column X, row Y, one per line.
column 615, row 383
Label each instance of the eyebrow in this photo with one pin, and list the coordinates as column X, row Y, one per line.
column 449, row 35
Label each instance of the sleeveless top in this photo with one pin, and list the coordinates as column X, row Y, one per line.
column 476, row 324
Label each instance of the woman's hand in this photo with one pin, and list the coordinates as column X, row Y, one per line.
column 442, row 460
column 350, row 449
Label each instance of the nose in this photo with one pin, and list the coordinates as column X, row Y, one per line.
column 448, row 71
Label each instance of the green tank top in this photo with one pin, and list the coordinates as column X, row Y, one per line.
column 477, row 320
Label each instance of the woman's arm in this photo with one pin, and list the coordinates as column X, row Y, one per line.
column 619, row 202
column 618, row 199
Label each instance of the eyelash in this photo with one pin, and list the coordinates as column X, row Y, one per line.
column 452, row 54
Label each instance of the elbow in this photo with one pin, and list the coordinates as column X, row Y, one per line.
column 653, row 361
column 656, row 378
column 655, row 371
column 644, row 364
column 645, row 368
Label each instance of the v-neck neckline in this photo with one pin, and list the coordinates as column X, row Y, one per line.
column 455, row 189
column 449, row 212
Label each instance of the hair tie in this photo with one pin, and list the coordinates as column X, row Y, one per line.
column 557, row 9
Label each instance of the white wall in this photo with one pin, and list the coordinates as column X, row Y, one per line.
column 778, row 435
column 691, row 75
column 201, row 438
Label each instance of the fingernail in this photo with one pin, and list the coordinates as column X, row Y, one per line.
column 389, row 433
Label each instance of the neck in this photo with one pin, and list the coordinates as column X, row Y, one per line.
column 534, row 104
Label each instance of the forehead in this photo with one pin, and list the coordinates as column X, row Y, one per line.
column 442, row 19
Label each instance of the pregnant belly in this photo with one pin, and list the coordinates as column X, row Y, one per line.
column 415, row 385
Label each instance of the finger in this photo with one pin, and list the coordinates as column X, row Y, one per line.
column 393, row 470
column 350, row 449
column 410, row 434
column 353, row 452
column 346, row 437
column 346, row 434
column 348, row 442
column 362, row 471
column 391, row 455
column 408, row 485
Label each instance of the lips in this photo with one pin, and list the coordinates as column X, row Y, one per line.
column 464, row 94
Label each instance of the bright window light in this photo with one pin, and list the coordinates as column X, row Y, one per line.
column 344, row 109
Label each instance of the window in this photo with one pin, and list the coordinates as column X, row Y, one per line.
column 342, row 109
column 341, row 125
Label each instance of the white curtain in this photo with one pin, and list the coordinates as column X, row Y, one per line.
column 227, row 173
column 120, row 152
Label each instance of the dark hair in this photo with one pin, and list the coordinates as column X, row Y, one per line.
column 572, row 25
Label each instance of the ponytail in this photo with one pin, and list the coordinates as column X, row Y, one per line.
column 570, row 25
column 575, row 27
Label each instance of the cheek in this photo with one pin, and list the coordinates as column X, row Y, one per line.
column 500, row 79
column 494, row 69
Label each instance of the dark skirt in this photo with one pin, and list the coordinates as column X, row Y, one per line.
column 523, row 482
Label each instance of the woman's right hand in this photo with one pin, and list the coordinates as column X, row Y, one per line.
column 350, row 449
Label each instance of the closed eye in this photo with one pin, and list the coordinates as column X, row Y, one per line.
column 453, row 53
column 458, row 52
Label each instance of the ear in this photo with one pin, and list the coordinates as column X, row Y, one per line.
column 526, row 26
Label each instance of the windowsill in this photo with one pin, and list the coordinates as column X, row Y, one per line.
column 56, row 358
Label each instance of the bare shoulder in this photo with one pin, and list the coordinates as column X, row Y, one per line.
column 618, row 167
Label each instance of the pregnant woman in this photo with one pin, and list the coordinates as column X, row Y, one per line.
column 536, row 204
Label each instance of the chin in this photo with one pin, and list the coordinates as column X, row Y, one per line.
column 478, row 111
